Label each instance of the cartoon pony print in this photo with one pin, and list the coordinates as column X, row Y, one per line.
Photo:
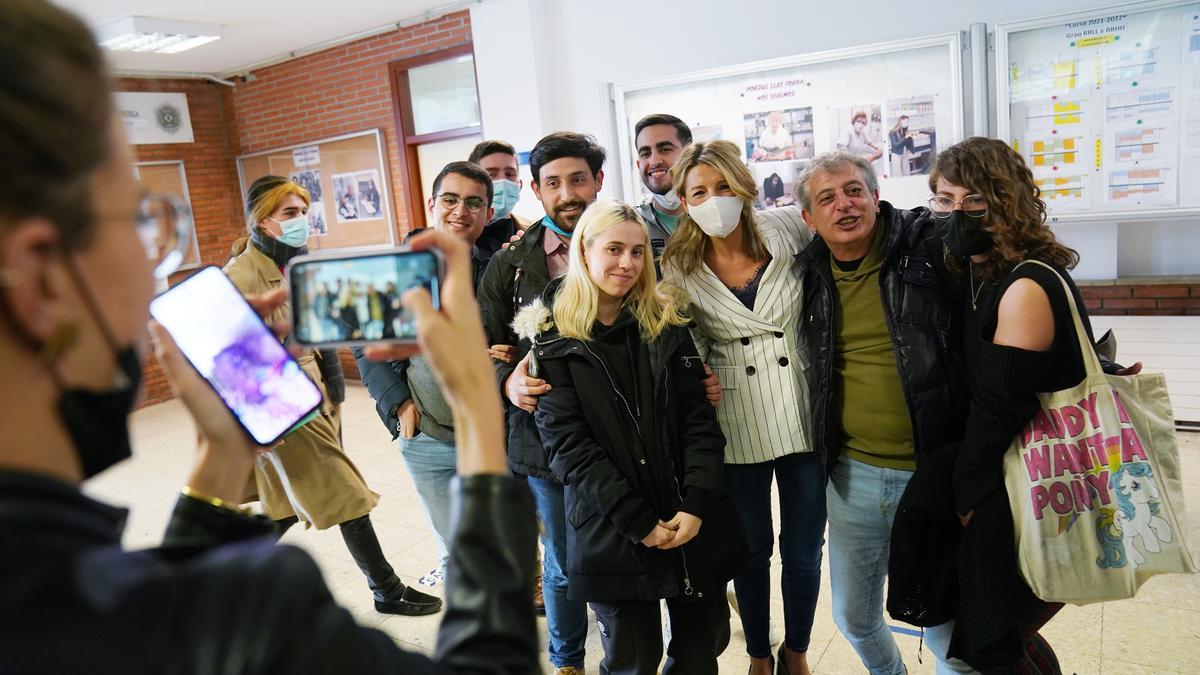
column 1136, row 516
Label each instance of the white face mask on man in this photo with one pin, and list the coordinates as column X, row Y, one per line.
column 666, row 202
column 717, row 216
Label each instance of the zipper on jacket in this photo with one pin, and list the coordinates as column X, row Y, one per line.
column 688, row 590
column 687, row 576
column 617, row 389
column 889, row 320
column 830, row 344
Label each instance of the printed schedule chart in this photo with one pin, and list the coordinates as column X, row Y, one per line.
column 1105, row 108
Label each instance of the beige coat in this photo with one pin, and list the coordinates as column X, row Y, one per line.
column 308, row 475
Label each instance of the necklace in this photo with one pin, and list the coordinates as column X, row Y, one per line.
column 975, row 292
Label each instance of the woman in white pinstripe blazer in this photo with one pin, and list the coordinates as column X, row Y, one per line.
column 739, row 271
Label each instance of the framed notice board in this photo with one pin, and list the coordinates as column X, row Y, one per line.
column 346, row 177
column 895, row 103
column 169, row 178
column 1105, row 107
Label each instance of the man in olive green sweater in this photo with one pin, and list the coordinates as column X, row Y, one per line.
column 886, row 390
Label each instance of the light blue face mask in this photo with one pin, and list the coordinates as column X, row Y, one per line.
column 295, row 231
column 505, row 194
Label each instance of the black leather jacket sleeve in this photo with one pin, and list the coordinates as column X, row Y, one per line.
column 257, row 607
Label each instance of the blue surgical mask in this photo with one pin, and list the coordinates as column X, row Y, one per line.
column 505, row 194
column 295, row 231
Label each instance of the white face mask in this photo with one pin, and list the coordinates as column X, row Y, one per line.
column 667, row 202
column 718, row 216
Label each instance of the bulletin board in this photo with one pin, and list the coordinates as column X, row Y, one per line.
column 783, row 112
column 347, row 179
column 1105, row 107
column 170, row 178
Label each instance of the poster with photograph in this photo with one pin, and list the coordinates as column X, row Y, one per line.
column 776, row 182
column 859, row 129
column 779, row 135
column 345, row 198
column 309, row 180
column 911, row 136
column 316, row 220
column 370, row 204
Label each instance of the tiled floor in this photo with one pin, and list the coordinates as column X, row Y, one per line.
column 1157, row 632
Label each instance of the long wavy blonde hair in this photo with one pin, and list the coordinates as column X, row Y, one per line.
column 685, row 248
column 577, row 301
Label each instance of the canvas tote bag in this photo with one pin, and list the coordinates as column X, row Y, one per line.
column 1094, row 484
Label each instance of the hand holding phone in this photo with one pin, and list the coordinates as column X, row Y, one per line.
column 451, row 338
column 222, row 336
column 352, row 300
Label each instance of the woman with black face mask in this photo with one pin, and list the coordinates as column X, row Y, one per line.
column 1019, row 340
column 77, row 272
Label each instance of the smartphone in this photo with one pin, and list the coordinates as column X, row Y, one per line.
column 346, row 301
column 222, row 336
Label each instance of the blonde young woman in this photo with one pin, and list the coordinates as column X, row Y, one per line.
column 633, row 438
column 309, row 477
column 739, row 269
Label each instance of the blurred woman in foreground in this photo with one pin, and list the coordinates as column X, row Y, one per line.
column 219, row 595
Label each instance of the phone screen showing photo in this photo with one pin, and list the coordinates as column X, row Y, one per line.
column 231, row 347
column 357, row 299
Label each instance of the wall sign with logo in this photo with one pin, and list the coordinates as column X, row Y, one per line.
column 155, row 117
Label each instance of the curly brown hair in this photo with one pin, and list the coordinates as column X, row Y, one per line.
column 1016, row 217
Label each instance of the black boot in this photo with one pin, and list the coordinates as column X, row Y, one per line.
column 283, row 525
column 391, row 595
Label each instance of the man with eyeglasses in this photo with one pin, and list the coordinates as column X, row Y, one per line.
column 883, row 324
column 407, row 396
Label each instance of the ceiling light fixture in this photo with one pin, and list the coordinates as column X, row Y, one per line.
column 162, row 36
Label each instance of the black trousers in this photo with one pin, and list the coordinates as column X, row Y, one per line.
column 631, row 633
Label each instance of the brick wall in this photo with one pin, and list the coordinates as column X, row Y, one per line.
column 212, row 182
column 1142, row 299
column 341, row 90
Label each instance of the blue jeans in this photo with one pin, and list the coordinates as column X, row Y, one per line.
column 432, row 463
column 801, row 481
column 566, row 619
column 862, row 501
column 937, row 638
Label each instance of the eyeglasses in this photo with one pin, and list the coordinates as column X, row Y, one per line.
column 165, row 226
column 975, row 206
column 450, row 201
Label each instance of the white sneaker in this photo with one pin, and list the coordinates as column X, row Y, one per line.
column 433, row 578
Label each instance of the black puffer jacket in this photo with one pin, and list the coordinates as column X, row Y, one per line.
column 219, row 596
column 629, row 459
column 515, row 277
column 922, row 305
